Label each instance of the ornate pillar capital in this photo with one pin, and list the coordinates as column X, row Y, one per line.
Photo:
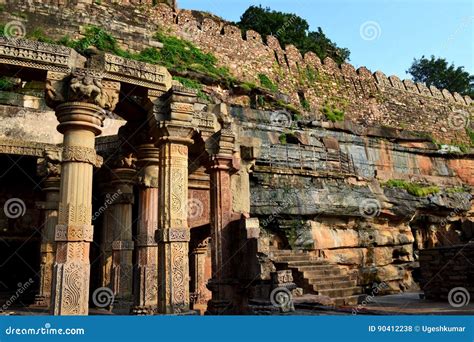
column 81, row 98
column 81, row 85
column 148, row 162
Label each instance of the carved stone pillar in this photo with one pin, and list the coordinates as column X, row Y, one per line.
column 123, row 180
column 79, row 103
column 174, row 134
column 49, row 168
column 223, row 280
column 146, row 271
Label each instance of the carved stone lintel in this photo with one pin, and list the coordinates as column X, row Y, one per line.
column 134, row 72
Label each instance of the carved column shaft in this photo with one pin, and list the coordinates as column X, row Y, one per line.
column 146, row 276
column 48, row 245
column 79, row 122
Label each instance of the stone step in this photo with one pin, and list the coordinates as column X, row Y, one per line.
column 346, row 301
column 324, row 279
column 292, row 258
column 286, row 252
column 341, row 292
column 325, row 285
column 321, row 273
column 314, row 262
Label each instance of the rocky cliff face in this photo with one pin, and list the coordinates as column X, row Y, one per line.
column 332, row 191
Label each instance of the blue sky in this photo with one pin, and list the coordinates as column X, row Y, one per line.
column 395, row 31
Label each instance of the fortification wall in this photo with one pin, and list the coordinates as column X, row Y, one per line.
column 365, row 97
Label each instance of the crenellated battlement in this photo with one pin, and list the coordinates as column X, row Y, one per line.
column 370, row 98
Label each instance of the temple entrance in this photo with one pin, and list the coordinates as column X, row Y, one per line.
column 20, row 231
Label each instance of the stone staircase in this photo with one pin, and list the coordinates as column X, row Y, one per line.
column 317, row 276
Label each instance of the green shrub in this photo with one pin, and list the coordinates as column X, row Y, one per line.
column 414, row 189
column 178, row 54
column 248, row 86
column 457, row 189
column 99, row 38
column 189, row 83
column 470, row 133
column 267, row 83
column 39, row 35
column 305, row 105
column 332, row 114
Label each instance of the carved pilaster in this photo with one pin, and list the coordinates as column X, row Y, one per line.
column 79, row 100
column 221, row 166
column 200, row 293
column 173, row 135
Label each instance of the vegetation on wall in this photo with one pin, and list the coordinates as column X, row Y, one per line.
column 193, row 84
column 267, row 83
column 331, row 113
column 290, row 28
column 414, row 189
column 470, row 133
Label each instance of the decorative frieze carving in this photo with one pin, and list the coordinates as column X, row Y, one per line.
column 173, row 235
column 74, row 214
column 38, row 55
column 133, row 72
column 24, row 148
column 74, row 232
column 81, row 154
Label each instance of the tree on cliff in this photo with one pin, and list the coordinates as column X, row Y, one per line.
column 291, row 29
column 437, row 72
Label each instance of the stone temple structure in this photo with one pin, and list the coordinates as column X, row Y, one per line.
column 121, row 188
